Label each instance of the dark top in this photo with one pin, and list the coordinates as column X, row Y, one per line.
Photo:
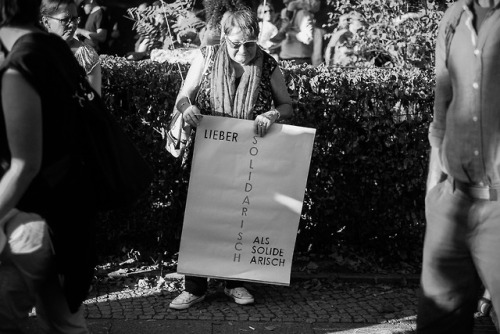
column 48, row 64
column 466, row 125
column 97, row 20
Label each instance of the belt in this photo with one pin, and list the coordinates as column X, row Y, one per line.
column 477, row 192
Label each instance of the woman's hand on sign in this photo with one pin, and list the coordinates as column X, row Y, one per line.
column 192, row 115
column 263, row 122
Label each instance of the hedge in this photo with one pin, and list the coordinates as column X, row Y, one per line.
column 365, row 191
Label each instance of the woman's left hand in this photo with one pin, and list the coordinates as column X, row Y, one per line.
column 263, row 122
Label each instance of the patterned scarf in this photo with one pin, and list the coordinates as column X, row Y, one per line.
column 225, row 97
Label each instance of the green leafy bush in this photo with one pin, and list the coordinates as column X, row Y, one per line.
column 367, row 177
column 398, row 33
column 366, row 183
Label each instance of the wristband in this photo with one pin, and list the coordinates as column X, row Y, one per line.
column 277, row 113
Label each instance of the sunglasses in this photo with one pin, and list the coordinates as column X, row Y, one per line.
column 67, row 21
column 246, row 44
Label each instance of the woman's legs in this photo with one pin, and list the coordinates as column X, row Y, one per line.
column 195, row 285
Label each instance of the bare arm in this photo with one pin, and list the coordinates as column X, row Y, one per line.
column 188, row 91
column 23, row 121
column 282, row 101
column 98, row 36
column 95, row 78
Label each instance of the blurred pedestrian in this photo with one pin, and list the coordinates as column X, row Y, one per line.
column 463, row 187
column 46, row 220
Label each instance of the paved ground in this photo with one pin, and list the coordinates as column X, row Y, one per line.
column 328, row 304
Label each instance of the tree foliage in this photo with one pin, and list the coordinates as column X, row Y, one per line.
column 398, row 33
column 164, row 24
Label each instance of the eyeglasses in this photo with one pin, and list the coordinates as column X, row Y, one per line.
column 246, row 44
column 67, row 21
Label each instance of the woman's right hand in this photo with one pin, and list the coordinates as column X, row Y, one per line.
column 192, row 115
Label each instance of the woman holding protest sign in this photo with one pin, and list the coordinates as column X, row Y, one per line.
column 234, row 79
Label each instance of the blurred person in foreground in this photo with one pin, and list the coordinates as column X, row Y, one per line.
column 60, row 17
column 240, row 81
column 462, row 205
column 47, row 221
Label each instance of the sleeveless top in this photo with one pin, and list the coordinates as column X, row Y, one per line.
column 265, row 98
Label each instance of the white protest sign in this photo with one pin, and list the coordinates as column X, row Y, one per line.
column 244, row 200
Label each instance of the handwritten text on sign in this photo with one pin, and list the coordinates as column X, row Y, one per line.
column 244, row 200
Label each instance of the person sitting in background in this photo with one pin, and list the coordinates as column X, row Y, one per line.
column 296, row 33
column 96, row 28
column 240, row 81
column 60, row 17
column 265, row 13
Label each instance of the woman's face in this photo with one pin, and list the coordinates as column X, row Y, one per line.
column 265, row 13
column 241, row 49
column 64, row 22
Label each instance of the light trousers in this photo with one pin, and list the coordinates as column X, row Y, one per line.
column 461, row 249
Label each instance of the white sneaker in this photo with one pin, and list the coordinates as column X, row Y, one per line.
column 185, row 300
column 240, row 295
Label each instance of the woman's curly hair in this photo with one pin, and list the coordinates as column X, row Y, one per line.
column 215, row 9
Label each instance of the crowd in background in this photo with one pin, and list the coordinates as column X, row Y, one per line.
column 290, row 30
